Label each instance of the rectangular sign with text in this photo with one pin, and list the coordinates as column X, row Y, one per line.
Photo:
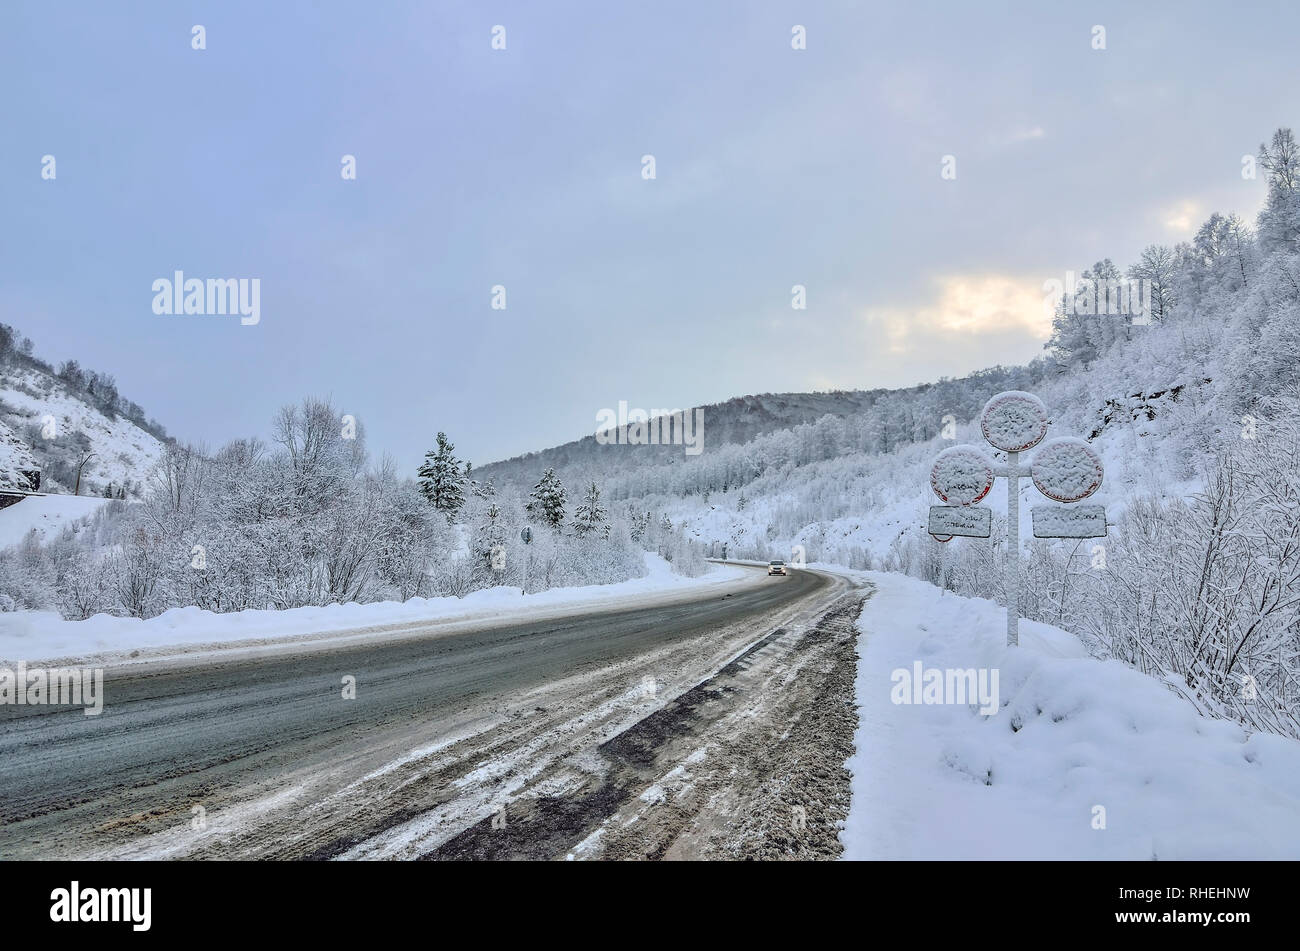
column 972, row 521
column 1069, row 521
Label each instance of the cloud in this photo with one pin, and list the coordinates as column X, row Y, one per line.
column 967, row 322
column 1018, row 135
column 967, row 307
column 1181, row 217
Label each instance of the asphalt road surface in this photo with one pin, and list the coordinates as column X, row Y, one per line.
column 217, row 729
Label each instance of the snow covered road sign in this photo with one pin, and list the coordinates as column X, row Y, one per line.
column 973, row 521
column 1064, row 470
column 962, row 475
column 1069, row 521
column 1014, row 421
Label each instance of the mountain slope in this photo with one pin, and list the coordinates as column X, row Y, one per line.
column 48, row 423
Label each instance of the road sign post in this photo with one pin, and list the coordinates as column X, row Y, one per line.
column 1013, row 549
column 1065, row 470
column 526, row 536
column 1012, row 472
column 1013, row 422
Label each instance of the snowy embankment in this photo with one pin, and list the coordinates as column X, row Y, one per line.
column 46, row 514
column 1083, row 759
column 39, row 635
column 122, row 451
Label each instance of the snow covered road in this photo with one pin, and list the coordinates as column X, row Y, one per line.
column 254, row 753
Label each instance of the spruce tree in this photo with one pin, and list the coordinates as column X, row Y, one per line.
column 441, row 481
column 489, row 541
column 590, row 517
column 546, row 501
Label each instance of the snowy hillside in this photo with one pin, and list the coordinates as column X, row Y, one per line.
column 734, row 422
column 58, row 428
column 854, row 507
column 15, row 458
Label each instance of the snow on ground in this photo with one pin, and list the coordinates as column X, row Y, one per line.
column 46, row 514
column 32, row 635
column 1071, row 734
column 123, row 451
column 14, row 456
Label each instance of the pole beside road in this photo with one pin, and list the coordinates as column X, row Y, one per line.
column 1065, row 470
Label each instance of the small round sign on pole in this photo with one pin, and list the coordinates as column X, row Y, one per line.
column 962, row 475
column 1014, row 421
column 1066, row 469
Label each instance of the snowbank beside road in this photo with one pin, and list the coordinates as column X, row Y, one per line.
column 33, row 635
column 1071, row 734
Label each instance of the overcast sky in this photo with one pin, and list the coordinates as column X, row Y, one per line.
column 523, row 167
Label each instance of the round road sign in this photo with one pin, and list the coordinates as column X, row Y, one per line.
column 1066, row 469
column 961, row 475
column 1014, row 421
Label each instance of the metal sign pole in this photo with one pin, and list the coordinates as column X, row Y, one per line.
column 526, row 536
column 1013, row 549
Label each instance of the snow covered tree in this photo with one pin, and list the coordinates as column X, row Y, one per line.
column 1279, row 222
column 408, row 543
column 1084, row 326
column 1217, row 265
column 441, row 479
column 490, row 544
column 70, row 372
column 590, row 518
column 1158, row 266
column 546, row 501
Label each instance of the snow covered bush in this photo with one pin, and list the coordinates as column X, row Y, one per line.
column 305, row 521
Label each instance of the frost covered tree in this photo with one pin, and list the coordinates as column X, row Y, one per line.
column 1085, row 324
column 441, row 479
column 490, row 543
column 590, row 518
column 546, row 501
column 315, row 460
column 1279, row 222
column 70, row 372
column 1216, row 266
column 411, row 540
column 1158, row 266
